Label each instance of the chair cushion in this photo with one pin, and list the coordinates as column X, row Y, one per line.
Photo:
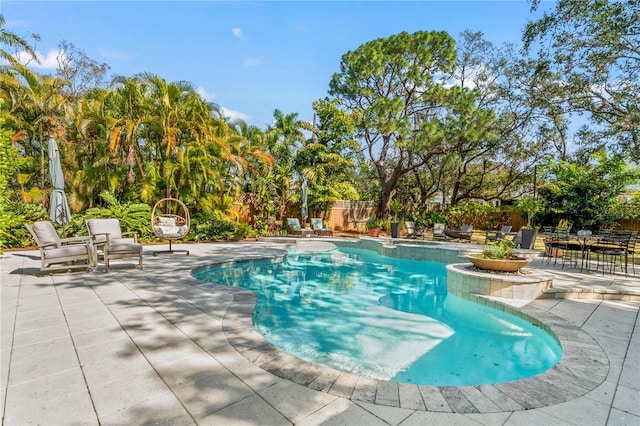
column 46, row 234
column 166, row 221
column 104, row 226
column 171, row 231
column 122, row 241
column 294, row 224
column 67, row 251
column 120, row 247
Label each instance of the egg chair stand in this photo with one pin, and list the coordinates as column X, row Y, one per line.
column 170, row 221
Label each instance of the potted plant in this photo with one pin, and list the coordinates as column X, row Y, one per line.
column 396, row 210
column 373, row 225
column 499, row 256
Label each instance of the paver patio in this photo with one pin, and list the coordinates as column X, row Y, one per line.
column 152, row 346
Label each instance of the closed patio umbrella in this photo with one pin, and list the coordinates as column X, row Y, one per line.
column 59, row 211
column 305, row 208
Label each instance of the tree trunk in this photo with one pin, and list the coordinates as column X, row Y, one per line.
column 388, row 191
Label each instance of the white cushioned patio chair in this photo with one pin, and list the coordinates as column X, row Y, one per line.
column 61, row 253
column 112, row 243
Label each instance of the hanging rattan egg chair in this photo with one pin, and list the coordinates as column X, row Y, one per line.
column 170, row 220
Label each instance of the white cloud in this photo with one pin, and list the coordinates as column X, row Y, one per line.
column 48, row 61
column 234, row 115
column 207, row 96
column 237, row 32
column 114, row 54
column 252, row 62
column 18, row 23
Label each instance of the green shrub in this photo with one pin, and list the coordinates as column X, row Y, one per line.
column 471, row 213
column 243, row 231
column 133, row 216
column 499, row 249
column 13, row 233
column 373, row 223
column 206, row 227
column 432, row 218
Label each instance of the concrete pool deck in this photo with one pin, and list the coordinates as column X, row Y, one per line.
column 152, row 346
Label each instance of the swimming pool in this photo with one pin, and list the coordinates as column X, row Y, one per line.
column 386, row 318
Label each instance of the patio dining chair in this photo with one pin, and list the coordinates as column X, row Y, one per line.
column 562, row 248
column 547, row 234
column 112, row 243
column 631, row 251
column 612, row 249
column 61, row 253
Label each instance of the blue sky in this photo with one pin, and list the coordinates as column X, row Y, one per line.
column 249, row 57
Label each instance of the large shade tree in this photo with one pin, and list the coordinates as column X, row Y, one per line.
column 493, row 134
column 592, row 51
column 392, row 89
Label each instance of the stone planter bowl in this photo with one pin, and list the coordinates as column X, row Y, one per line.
column 501, row 265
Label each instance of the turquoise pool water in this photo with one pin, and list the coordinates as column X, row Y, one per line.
column 386, row 318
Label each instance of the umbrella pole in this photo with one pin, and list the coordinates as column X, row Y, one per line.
column 62, row 219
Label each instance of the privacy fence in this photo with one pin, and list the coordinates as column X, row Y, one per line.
column 353, row 215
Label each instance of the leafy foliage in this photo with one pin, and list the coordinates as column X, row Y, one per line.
column 591, row 53
column 132, row 216
column 207, row 227
column 499, row 249
column 373, row 223
column 390, row 89
column 586, row 195
column 410, row 117
column 530, row 206
column 432, row 218
column 471, row 213
column 14, row 215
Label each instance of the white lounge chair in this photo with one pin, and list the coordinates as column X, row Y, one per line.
column 438, row 231
column 412, row 231
column 61, row 253
column 319, row 229
column 497, row 235
column 108, row 238
column 294, row 228
column 463, row 234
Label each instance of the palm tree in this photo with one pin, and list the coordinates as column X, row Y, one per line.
column 94, row 165
column 8, row 72
column 127, row 113
column 35, row 111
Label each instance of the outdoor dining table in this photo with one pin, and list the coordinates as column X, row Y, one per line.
column 586, row 240
column 561, row 239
